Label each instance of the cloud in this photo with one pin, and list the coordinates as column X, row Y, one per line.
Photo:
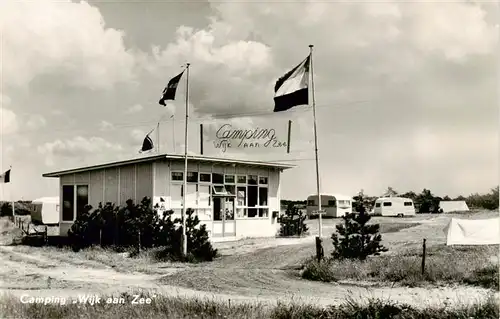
column 9, row 121
column 36, row 121
column 105, row 125
column 65, row 39
column 135, row 108
column 77, row 148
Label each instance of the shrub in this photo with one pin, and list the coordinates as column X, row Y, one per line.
column 292, row 223
column 318, row 271
column 356, row 239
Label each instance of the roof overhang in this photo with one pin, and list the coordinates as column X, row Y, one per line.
column 213, row 160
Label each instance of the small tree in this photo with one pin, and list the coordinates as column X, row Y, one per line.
column 355, row 239
column 293, row 222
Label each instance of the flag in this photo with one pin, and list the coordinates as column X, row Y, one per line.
column 147, row 144
column 5, row 177
column 170, row 89
column 292, row 88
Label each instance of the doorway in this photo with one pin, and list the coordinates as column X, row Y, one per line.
column 224, row 224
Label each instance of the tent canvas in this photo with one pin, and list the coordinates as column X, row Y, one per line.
column 449, row 206
column 473, row 232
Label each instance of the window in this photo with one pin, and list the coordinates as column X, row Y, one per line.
column 82, row 198
column 176, row 195
column 252, row 196
column 219, row 190
column 348, row 202
column 387, row 204
column 229, row 179
column 242, row 179
column 252, row 179
column 230, row 190
column 192, row 177
column 310, row 203
column 68, row 197
column 408, row 204
column 252, row 212
column 241, row 196
column 331, row 203
column 263, row 212
column 262, row 196
column 204, row 196
column 217, row 178
column 377, row 204
column 177, row 176
column 205, row 178
column 262, row 180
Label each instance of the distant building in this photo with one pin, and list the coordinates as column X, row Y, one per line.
column 234, row 198
column 450, row 206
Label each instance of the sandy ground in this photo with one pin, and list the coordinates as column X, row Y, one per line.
column 249, row 270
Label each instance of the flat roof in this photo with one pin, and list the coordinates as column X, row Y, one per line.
column 168, row 156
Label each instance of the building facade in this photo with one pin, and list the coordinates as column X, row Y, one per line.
column 233, row 198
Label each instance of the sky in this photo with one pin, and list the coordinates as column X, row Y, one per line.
column 406, row 92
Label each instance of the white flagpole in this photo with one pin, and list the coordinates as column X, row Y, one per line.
column 184, row 239
column 320, row 222
column 158, row 137
column 173, row 130
column 12, row 195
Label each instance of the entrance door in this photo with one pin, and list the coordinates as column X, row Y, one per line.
column 224, row 224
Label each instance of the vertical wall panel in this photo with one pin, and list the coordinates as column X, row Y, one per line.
column 111, row 185
column 241, row 170
column 68, row 179
column 176, row 165
column 82, row 178
column 96, row 188
column 161, row 178
column 218, row 169
column 230, row 169
column 144, row 181
column 127, row 184
column 205, row 168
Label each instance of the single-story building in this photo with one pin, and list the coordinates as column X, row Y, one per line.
column 234, row 198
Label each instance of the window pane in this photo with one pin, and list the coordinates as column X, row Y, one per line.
column 82, row 198
column 253, row 212
column 263, row 180
column 204, row 196
column 262, row 196
column 217, row 178
column 387, row 204
column 252, row 179
column 230, row 190
column 263, row 212
column 192, row 177
column 68, row 198
column 377, row 205
column 242, row 179
column 310, row 203
column 240, row 212
column 241, row 196
column 252, row 196
column 176, row 195
column 205, row 177
column 331, row 203
column 229, row 179
column 177, row 176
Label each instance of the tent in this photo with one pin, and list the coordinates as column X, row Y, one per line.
column 473, row 232
column 449, row 206
column 45, row 211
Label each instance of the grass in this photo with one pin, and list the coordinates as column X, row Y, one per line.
column 175, row 307
column 444, row 265
column 395, row 227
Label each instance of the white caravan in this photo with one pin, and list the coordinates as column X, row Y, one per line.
column 45, row 211
column 394, row 206
column 333, row 205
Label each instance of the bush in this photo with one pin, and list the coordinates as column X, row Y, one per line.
column 318, row 271
column 292, row 223
column 140, row 226
column 356, row 239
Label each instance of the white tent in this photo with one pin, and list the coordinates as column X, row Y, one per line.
column 473, row 232
column 45, row 210
column 449, row 206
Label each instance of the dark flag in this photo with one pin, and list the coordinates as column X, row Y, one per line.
column 5, row 177
column 170, row 89
column 292, row 88
column 147, row 144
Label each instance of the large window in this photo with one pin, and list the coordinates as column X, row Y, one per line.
column 68, row 197
column 263, row 201
column 70, row 194
column 252, row 200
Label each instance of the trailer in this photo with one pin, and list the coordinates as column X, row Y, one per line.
column 45, row 212
column 332, row 205
column 394, row 206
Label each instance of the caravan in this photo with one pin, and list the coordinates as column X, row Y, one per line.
column 45, row 211
column 333, row 205
column 394, row 206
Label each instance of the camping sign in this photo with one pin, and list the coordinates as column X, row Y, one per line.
column 228, row 137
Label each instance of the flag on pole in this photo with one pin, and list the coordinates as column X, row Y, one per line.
column 170, row 89
column 5, row 177
column 292, row 88
column 147, row 144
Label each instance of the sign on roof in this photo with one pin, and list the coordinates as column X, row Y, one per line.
column 229, row 136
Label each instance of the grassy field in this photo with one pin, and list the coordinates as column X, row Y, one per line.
column 164, row 307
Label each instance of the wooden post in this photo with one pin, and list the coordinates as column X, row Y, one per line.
column 423, row 257
column 319, row 249
column 289, row 134
column 201, row 139
column 139, row 242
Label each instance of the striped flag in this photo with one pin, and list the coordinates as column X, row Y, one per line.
column 5, row 177
column 292, row 88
